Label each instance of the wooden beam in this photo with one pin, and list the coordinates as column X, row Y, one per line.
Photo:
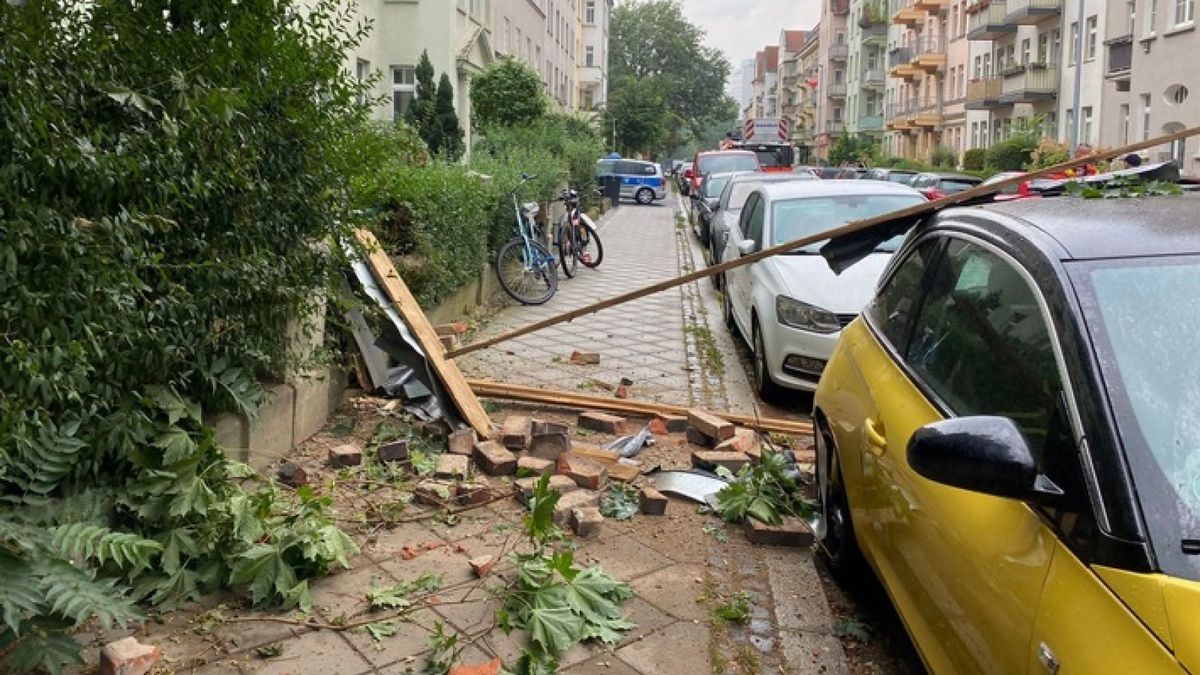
column 849, row 228
column 570, row 399
column 449, row 374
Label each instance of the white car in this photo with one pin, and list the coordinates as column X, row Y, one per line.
column 791, row 308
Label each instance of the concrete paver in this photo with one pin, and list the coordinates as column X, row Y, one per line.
column 679, row 648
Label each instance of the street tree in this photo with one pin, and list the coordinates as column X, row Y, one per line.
column 640, row 117
column 421, row 114
column 507, row 93
column 448, row 140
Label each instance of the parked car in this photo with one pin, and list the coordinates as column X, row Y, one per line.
column 681, row 178
column 704, row 203
column 851, row 173
column 806, row 171
column 791, row 308
column 719, row 161
column 938, row 185
column 901, row 176
column 728, row 207
column 1009, row 437
column 641, row 181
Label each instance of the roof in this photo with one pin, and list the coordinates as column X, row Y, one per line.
column 799, row 189
column 793, row 40
column 766, row 60
column 1109, row 228
column 708, row 153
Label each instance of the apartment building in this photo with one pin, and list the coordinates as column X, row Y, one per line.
column 805, row 130
column 765, row 86
column 831, row 74
column 865, row 74
column 1148, row 47
column 592, row 71
column 918, row 61
column 791, row 42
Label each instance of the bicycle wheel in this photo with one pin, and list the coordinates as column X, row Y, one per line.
column 568, row 248
column 591, row 251
column 529, row 282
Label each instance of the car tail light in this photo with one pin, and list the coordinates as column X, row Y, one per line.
column 1023, row 189
column 933, row 194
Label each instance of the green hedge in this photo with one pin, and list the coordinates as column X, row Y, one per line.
column 974, row 159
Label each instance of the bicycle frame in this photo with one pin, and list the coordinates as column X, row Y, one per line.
column 526, row 232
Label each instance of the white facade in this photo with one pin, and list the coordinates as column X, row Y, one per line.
column 592, row 59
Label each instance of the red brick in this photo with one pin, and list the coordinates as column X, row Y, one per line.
column 549, row 444
column 434, row 492
column 482, row 565
column 448, row 341
column 394, row 451
column 293, row 474
column 623, row 473
column 622, row 391
column 127, row 656
column 477, row 492
column 586, row 521
column 456, row 329
column 793, row 532
column 585, row 358
column 697, row 437
column 707, row 459
column 345, row 455
column 452, row 466
column 544, row 427
column 461, row 442
column 559, row 484
column 710, row 425
column 482, row 668
column 516, row 432
column 674, row 423
column 587, row 473
column 495, row 459
column 652, row 502
column 602, row 422
column 573, row 500
column 745, row 441
column 535, row 466
column 658, row 427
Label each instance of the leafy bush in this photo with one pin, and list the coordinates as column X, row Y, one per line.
column 974, row 159
column 943, row 157
column 1009, row 155
column 163, row 200
column 1048, row 153
column 508, row 93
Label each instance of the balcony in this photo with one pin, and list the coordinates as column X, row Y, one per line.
column 875, row 35
column 900, row 63
column 834, row 126
column 836, row 90
column 931, row 6
column 870, row 123
column 839, row 7
column 905, row 13
column 984, row 94
column 873, row 78
column 789, row 80
column 839, row 52
column 988, row 22
column 927, row 116
column 1120, row 57
column 1033, row 85
column 898, row 117
column 929, row 54
column 1031, row 12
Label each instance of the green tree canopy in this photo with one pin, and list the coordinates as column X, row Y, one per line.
column 421, row 114
column 448, row 140
column 507, row 93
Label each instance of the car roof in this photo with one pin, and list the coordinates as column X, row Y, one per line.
column 954, row 176
column 708, row 153
column 764, row 177
column 795, row 189
column 1087, row 229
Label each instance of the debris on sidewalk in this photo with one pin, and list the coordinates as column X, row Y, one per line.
column 585, row 358
column 688, row 484
column 792, row 531
column 127, row 656
column 345, row 456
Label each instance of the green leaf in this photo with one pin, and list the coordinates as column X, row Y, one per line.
column 247, row 525
column 553, row 627
column 539, row 524
column 264, row 569
column 177, row 445
column 620, row 502
column 81, row 541
column 381, row 629
column 19, row 596
column 195, row 498
column 40, row 650
column 396, row 596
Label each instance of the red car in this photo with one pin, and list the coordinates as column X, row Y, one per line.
column 938, row 185
column 719, row 161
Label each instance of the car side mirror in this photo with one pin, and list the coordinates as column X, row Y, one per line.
column 712, row 204
column 747, row 246
column 981, row 453
column 688, row 173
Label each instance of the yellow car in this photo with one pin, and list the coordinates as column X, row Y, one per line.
column 1009, row 436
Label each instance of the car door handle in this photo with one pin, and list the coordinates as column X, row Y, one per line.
column 876, row 440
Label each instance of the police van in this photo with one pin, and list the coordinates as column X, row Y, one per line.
column 641, row 181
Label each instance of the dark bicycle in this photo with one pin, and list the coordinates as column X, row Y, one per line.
column 578, row 241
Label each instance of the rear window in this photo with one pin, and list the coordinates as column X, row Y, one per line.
column 713, row 186
column 728, row 163
column 952, row 185
column 795, row 218
column 899, row 177
column 636, row 169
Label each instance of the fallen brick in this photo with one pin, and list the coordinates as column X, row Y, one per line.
column 456, row 329
column 436, row 428
column 482, row 668
column 623, row 473
column 573, row 500
column 595, row 453
column 535, row 466
column 710, row 425
column 448, row 341
column 745, row 441
column 395, row 451
column 793, row 532
column 710, row 459
column 345, row 455
column 434, row 492
column 602, row 422
column 461, row 442
column 586, row 521
column 452, row 466
column 494, row 459
column 127, row 656
column 476, row 492
column 652, row 502
column 516, row 432
column 697, row 437
column 292, row 474
column 674, row 423
column 587, row 473
column 550, row 442
column 585, row 358
column 482, row 565
column 622, row 391
column 559, row 484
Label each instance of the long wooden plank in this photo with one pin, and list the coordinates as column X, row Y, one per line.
column 446, row 370
column 849, row 228
column 569, row 399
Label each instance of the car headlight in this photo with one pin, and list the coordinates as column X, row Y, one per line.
column 797, row 314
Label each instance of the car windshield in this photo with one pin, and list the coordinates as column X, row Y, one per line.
column 1011, row 189
column 795, row 218
column 952, row 185
column 713, row 186
column 728, row 163
column 1148, row 316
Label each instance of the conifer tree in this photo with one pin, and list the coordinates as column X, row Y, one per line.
column 449, row 133
column 420, row 114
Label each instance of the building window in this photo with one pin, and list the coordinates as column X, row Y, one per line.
column 362, row 70
column 1176, row 94
column 978, row 67
column 1026, row 50
column 589, row 56
column 1131, row 8
column 404, row 88
column 1086, row 136
column 1151, row 17
column 1123, row 131
column 1145, row 117
column 589, row 12
column 1183, row 11
column 1056, row 46
column 837, row 114
column 1074, row 43
column 962, row 81
column 1091, row 37
column 838, row 76
column 1043, row 54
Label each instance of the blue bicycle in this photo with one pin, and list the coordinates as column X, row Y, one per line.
column 525, row 267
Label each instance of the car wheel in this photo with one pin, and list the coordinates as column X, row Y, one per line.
column 645, row 196
column 727, row 307
column 763, row 384
column 834, row 529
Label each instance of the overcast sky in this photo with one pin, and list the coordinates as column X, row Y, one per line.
column 742, row 27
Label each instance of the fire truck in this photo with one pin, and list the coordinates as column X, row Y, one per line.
column 769, row 138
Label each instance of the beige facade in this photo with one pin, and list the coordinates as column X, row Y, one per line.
column 918, row 60
column 832, row 75
column 805, row 131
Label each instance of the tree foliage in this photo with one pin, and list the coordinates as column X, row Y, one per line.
column 853, row 149
column 421, row 114
column 655, row 50
column 507, row 93
column 168, row 187
column 448, row 141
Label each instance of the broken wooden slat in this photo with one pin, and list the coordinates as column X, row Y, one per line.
column 570, row 399
column 849, row 228
column 449, row 374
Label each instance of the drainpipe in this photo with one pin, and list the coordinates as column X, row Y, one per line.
column 1076, row 113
